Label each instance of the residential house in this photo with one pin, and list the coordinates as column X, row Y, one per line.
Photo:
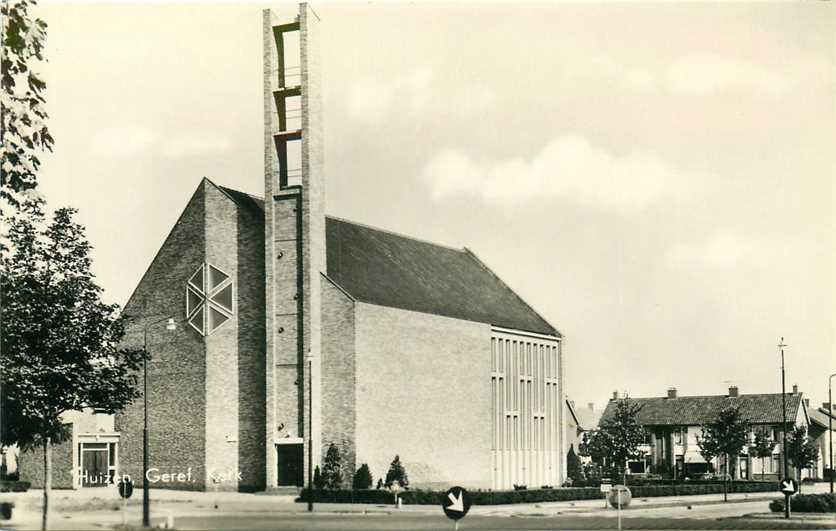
column 673, row 423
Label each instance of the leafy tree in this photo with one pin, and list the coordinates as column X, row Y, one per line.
column 23, row 130
column 332, row 474
column 801, row 451
column 726, row 436
column 59, row 342
column 619, row 437
column 573, row 464
column 396, row 473
column 318, row 482
column 362, row 478
column 592, row 446
column 762, row 447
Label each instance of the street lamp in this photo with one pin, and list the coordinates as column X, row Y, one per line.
column 781, row 346
column 170, row 325
column 830, row 424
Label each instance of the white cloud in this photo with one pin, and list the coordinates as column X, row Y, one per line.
column 372, row 99
column 133, row 141
column 567, row 168
column 123, row 141
column 729, row 250
column 708, row 74
column 191, row 143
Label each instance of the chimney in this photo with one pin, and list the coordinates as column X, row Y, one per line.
column 615, row 395
column 671, row 392
column 591, row 406
column 733, row 392
column 795, row 389
column 807, row 403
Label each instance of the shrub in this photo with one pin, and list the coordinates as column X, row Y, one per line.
column 318, row 481
column 807, row 503
column 397, row 473
column 573, row 465
column 362, row 478
column 424, row 497
column 332, row 474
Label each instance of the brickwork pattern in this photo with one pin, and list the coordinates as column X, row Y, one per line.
column 423, row 392
column 31, row 466
column 177, row 370
column 338, row 376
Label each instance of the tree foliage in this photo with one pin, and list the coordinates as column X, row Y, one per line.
column 762, row 447
column 573, row 464
column 362, row 478
column 332, row 474
column 23, row 130
column 60, row 342
column 801, row 450
column 619, row 436
column 726, row 436
column 397, row 473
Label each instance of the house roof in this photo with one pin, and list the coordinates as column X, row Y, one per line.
column 586, row 418
column 821, row 417
column 387, row 269
column 699, row 410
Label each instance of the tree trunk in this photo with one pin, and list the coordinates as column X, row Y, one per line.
column 763, row 469
column 725, row 479
column 47, row 481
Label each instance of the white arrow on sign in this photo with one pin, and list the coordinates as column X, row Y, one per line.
column 458, row 502
column 787, row 486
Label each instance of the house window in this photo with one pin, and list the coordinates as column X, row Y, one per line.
column 209, row 299
column 677, row 436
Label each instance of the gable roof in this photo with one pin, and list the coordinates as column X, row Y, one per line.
column 821, row 417
column 387, row 269
column 699, row 410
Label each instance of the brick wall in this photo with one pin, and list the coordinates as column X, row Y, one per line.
column 338, row 392
column 31, row 466
column 177, row 370
column 423, row 392
column 222, row 387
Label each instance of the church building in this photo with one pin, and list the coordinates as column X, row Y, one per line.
column 275, row 331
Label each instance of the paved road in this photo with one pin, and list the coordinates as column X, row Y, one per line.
column 407, row 522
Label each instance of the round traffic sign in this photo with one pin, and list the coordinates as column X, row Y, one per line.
column 789, row 486
column 456, row 503
column 126, row 487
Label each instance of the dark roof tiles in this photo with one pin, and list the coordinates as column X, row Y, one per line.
column 699, row 410
column 387, row 269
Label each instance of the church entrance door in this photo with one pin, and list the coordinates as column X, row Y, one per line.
column 291, row 465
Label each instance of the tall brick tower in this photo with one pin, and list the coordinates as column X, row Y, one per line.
column 294, row 192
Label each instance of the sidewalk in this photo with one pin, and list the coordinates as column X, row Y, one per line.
column 104, row 506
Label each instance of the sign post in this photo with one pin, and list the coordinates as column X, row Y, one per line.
column 606, row 487
column 456, row 503
column 126, row 488
column 788, row 488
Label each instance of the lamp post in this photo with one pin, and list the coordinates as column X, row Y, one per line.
column 781, row 346
column 830, row 424
column 310, row 434
column 146, row 505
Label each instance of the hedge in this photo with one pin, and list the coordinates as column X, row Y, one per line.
column 14, row 486
column 492, row 497
column 807, row 503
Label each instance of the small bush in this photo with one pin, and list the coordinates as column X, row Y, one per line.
column 362, row 478
column 807, row 503
column 397, row 473
column 318, row 481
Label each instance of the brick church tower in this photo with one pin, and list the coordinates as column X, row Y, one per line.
column 294, row 221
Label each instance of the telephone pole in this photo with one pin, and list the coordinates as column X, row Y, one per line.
column 781, row 346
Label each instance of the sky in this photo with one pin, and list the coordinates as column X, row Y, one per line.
column 657, row 179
